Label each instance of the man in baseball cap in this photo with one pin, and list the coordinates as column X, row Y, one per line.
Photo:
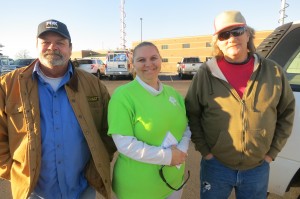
column 52, row 25
column 252, row 101
column 62, row 146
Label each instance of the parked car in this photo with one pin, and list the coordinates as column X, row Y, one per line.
column 283, row 46
column 23, row 62
column 7, row 69
column 5, row 65
column 188, row 66
column 91, row 65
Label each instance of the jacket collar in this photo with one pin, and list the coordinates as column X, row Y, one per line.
column 72, row 83
column 215, row 70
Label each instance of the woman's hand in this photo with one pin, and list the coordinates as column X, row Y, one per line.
column 178, row 157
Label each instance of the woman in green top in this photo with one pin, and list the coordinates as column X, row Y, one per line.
column 148, row 123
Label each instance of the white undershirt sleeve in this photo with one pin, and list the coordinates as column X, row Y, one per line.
column 183, row 145
column 140, row 151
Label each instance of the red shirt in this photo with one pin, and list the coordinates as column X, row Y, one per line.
column 237, row 75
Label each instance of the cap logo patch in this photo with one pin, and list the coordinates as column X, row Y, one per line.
column 51, row 24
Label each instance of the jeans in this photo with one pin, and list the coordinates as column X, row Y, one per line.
column 88, row 193
column 218, row 181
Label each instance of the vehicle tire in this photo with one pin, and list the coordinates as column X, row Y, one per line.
column 180, row 74
column 130, row 77
column 98, row 74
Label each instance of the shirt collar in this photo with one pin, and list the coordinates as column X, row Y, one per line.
column 36, row 70
column 150, row 89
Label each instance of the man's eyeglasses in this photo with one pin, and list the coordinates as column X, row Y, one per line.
column 235, row 32
column 164, row 179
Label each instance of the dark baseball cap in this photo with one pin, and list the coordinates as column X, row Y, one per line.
column 52, row 25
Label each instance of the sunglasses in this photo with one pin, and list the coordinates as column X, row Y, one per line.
column 235, row 32
column 164, row 179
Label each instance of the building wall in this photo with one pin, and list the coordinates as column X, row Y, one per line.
column 173, row 49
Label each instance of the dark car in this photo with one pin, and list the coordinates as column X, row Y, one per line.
column 18, row 63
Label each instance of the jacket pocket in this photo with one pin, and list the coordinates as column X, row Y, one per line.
column 257, row 143
column 228, row 147
column 16, row 126
column 15, row 117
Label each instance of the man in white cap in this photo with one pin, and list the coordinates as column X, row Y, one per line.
column 240, row 108
column 53, row 125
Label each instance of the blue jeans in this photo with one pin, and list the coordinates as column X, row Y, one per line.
column 88, row 193
column 218, row 181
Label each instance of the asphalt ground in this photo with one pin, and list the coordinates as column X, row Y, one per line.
column 192, row 188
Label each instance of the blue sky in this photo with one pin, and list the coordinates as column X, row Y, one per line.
column 95, row 24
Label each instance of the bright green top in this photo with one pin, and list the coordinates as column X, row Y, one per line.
column 133, row 111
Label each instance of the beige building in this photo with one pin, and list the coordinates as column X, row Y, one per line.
column 173, row 49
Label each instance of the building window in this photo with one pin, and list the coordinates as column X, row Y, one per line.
column 164, row 47
column 185, row 45
column 165, row 60
column 208, row 44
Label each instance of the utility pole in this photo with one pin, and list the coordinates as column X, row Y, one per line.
column 283, row 6
column 123, row 26
column 141, row 29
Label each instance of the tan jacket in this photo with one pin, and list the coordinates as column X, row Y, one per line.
column 20, row 133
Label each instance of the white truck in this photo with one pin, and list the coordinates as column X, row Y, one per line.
column 283, row 46
column 188, row 66
column 118, row 63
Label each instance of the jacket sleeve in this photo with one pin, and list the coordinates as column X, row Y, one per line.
column 5, row 158
column 194, row 112
column 285, row 118
column 107, row 140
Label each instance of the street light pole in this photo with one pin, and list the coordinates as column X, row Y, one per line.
column 141, row 29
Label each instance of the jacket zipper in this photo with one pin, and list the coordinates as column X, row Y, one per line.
column 244, row 124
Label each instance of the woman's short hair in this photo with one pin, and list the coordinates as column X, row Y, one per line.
column 142, row 44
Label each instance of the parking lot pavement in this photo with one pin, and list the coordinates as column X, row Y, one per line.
column 172, row 77
column 5, row 192
column 168, row 77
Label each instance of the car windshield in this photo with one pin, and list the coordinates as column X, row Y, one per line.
column 4, row 61
column 86, row 61
column 191, row 60
column 293, row 68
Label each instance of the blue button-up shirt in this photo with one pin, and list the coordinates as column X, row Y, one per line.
column 64, row 149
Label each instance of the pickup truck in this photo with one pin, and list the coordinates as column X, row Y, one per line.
column 283, row 46
column 188, row 66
